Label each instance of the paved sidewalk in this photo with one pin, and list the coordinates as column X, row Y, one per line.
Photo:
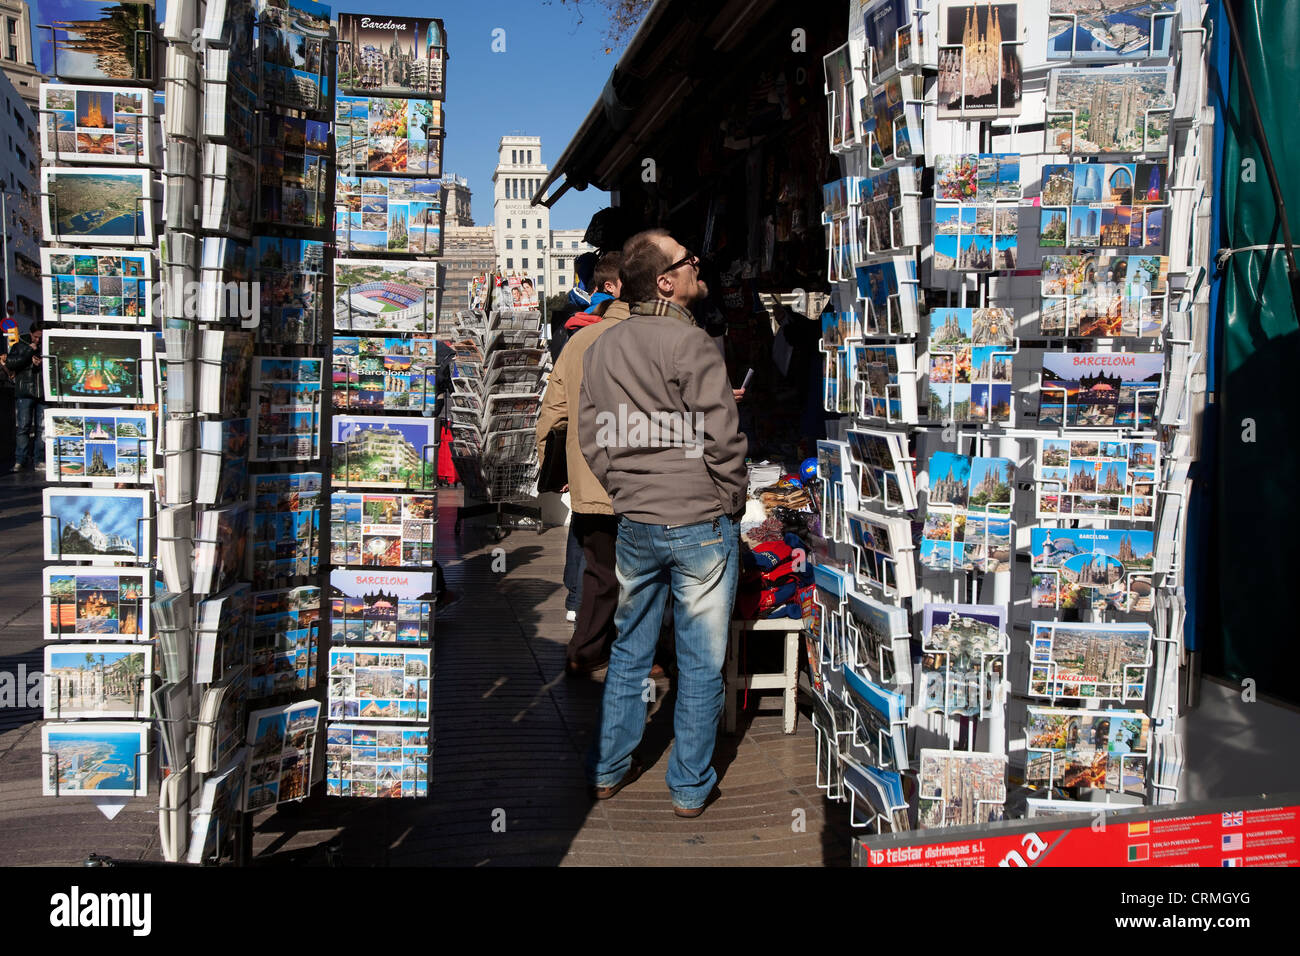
column 511, row 733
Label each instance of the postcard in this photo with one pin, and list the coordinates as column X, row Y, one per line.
column 96, row 123
column 98, row 285
column 290, row 275
column 376, row 296
column 211, row 832
column 382, row 530
column 887, row 291
column 384, row 452
column 1092, row 749
column 295, row 166
column 1104, row 295
column 877, row 718
column 1122, row 109
column 1109, row 478
column 879, row 645
column 294, row 39
column 1087, row 30
column 959, row 788
column 885, row 215
column 879, row 382
column 287, row 424
column 91, row 205
column 103, row 527
column 979, row 60
column 285, row 650
column 967, row 526
column 286, row 526
column 391, row 373
column 104, row 367
column 382, row 134
column 104, row 448
column 99, row 758
column 219, row 547
column 380, row 684
column 890, row 33
column 882, row 467
column 222, row 634
column 81, row 604
column 382, row 762
column 970, row 365
column 281, row 743
column 393, row 607
column 838, row 69
column 883, row 551
column 1092, row 661
column 387, row 214
column 401, row 55
column 110, row 43
column 1084, row 568
column 891, row 121
column 98, row 680
column 1100, row 389
column 964, row 648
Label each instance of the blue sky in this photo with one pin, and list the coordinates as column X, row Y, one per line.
column 543, row 84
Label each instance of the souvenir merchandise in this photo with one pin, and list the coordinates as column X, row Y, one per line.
column 979, row 60
column 394, row 607
column 837, row 198
column 98, row 680
column 382, row 530
column 81, row 604
column 1085, row 568
column 968, row 524
column 1090, row 661
column 376, row 761
column 1104, row 206
column 97, row 758
column 294, row 172
column 1104, row 296
column 830, row 470
column 97, row 41
column 223, row 454
column 971, row 365
column 883, row 792
column 883, row 549
column 384, row 134
column 976, row 214
column 98, row 286
column 229, row 191
column 286, row 526
column 219, row 548
column 879, row 381
column 877, row 721
column 886, row 213
column 388, row 214
column 887, row 291
column 97, row 206
column 391, row 373
column 103, row 367
column 286, row 426
column 101, row 447
column 882, row 468
column 220, row 731
column 1100, row 389
column 290, row 273
column 376, row 296
column 827, row 622
column 384, row 452
column 1089, row 749
column 878, row 640
column 221, row 797
column 959, row 788
column 1093, row 477
column 281, row 743
column 1088, row 30
column 285, row 649
column 891, row 121
column 293, row 37
column 379, row 684
column 963, row 658
column 106, row 526
column 397, row 55
column 838, row 68
column 224, row 628
column 1109, row 110
column 892, row 40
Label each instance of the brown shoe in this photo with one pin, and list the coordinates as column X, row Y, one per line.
column 690, row 813
column 574, row 669
column 604, row 793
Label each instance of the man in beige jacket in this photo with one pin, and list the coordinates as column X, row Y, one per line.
column 593, row 519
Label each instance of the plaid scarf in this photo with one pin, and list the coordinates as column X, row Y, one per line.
column 663, row 307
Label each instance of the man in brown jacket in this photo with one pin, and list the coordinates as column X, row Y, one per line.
column 659, row 427
column 593, row 519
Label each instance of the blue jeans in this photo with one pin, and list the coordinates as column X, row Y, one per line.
column 699, row 564
column 29, row 412
column 574, row 564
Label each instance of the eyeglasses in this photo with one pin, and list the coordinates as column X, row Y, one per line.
column 691, row 258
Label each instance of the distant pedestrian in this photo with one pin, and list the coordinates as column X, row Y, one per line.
column 23, row 363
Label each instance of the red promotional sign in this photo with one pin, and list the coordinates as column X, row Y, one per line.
column 1259, row 837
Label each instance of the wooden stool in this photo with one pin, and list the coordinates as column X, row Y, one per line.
column 786, row 680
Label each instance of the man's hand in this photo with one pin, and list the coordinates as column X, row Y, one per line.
column 565, row 488
column 737, row 394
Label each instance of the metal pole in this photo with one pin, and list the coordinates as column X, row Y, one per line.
column 4, row 246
